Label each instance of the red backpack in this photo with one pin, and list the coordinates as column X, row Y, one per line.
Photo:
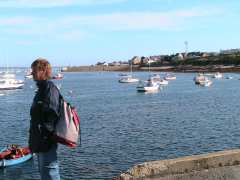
column 67, row 129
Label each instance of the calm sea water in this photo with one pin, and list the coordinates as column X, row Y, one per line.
column 121, row 127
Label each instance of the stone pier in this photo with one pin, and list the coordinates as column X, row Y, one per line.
column 223, row 165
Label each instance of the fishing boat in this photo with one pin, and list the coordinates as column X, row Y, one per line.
column 13, row 155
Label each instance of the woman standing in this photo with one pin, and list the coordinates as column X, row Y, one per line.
column 44, row 115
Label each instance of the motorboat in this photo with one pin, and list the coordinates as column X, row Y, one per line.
column 11, row 84
column 13, row 155
column 218, row 75
column 170, row 76
column 128, row 79
column 150, row 85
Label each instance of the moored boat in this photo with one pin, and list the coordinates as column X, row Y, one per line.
column 218, row 75
column 156, row 78
column 199, row 78
column 28, row 76
column 13, row 155
column 11, row 84
column 58, row 76
column 202, row 80
column 149, row 86
column 206, row 82
column 128, row 79
column 170, row 76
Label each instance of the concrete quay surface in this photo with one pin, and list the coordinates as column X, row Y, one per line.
column 222, row 165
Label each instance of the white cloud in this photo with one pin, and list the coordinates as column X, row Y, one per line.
column 52, row 3
column 74, row 28
column 73, row 35
column 15, row 21
column 140, row 20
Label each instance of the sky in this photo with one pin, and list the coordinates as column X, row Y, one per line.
column 84, row 32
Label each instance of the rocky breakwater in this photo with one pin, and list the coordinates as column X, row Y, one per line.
column 223, row 165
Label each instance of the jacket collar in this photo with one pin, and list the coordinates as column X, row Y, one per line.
column 42, row 83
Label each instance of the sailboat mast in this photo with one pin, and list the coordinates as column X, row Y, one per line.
column 131, row 67
column 149, row 66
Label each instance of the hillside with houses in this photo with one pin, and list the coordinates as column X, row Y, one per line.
column 224, row 60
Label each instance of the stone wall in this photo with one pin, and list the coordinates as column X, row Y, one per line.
column 212, row 166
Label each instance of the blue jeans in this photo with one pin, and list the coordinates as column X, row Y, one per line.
column 48, row 164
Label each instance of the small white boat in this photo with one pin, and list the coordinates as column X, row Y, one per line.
column 206, row 82
column 10, row 84
column 149, row 86
column 28, row 76
column 156, row 78
column 170, row 77
column 218, row 75
column 200, row 77
column 202, row 80
column 163, row 82
column 58, row 76
column 128, row 79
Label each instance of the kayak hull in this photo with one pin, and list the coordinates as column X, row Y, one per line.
column 12, row 162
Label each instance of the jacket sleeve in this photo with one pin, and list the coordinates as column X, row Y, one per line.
column 50, row 110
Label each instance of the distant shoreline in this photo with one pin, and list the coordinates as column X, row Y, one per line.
column 180, row 68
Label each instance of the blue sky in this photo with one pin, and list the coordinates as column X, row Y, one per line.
column 83, row 32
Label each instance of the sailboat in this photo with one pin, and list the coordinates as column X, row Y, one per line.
column 128, row 78
column 8, row 81
column 58, row 75
column 148, row 86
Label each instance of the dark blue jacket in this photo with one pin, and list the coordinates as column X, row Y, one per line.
column 44, row 115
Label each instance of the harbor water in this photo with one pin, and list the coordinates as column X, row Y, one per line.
column 121, row 127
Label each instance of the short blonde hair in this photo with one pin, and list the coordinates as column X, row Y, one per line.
column 42, row 64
